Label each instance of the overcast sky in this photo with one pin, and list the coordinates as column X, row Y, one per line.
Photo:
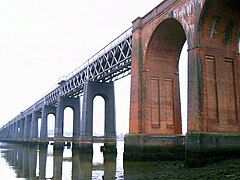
column 43, row 40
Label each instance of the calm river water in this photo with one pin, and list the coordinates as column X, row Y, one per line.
column 23, row 162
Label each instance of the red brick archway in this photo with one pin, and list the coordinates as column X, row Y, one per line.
column 161, row 112
column 162, row 99
column 212, row 30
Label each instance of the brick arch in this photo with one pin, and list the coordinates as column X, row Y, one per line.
column 162, row 96
column 213, row 65
column 216, row 66
column 166, row 41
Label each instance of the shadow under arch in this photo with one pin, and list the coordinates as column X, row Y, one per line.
column 161, row 65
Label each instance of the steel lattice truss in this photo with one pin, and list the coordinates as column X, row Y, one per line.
column 109, row 64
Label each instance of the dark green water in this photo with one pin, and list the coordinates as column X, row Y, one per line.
column 24, row 162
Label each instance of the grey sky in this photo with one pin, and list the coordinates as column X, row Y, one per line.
column 43, row 40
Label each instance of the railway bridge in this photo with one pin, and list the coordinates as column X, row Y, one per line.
column 150, row 51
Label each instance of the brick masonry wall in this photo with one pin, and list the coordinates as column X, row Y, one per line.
column 214, row 98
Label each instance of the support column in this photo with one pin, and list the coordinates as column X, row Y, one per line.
column 21, row 135
column 30, row 126
column 76, row 117
column 213, row 90
column 213, row 122
column 5, row 132
column 2, row 133
column 15, row 130
column 34, row 130
column 10, row 131
column 45, row 111
column 194, row 90
column 27, row 126
column 64, row 102
column 136, row 120
column 91, row 90
column 59, row 118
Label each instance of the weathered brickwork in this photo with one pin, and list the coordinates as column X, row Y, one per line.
column 212, row 30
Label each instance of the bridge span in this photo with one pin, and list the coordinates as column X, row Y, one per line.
column 111, row 63
column 150, row 51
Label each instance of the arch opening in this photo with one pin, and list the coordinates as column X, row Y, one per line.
column 51, row 125
column 98, row 116
column 122, row 105
column 183, row 83
column 39, row 126
column 68, row 122
column 162, row 68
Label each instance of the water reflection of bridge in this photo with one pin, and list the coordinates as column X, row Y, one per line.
column 47, row 162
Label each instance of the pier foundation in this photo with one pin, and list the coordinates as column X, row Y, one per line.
column 153, row 147
column 203, row 148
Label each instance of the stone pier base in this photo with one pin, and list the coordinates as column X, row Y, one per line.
column 153, row 147
column 203, row 148
column 196, row 149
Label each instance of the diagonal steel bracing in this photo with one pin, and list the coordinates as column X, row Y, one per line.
column 110, row 64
